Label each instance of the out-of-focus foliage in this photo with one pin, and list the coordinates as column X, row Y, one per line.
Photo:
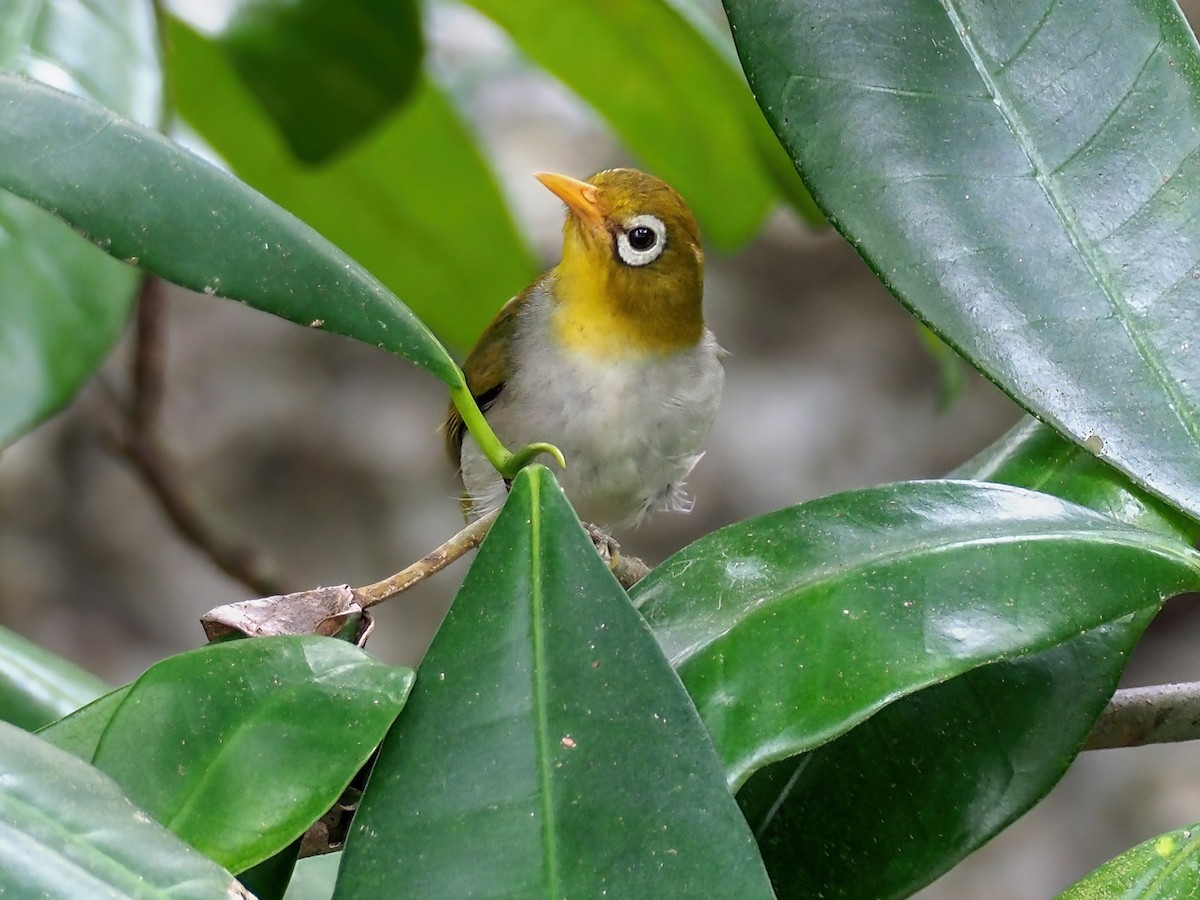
column 911, row 665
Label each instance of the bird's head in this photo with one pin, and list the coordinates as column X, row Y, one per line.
column 632, row 270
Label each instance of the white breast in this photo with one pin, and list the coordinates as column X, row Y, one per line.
column 630, row 430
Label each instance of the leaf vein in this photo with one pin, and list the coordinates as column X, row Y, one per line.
column 889, row 89
column 1037, row 29
column 540, row 690
column 825, row 577
column 1094, row 261
column 1162, row 186
column 1107, row 120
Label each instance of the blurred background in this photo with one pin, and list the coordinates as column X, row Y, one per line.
column 324, row 455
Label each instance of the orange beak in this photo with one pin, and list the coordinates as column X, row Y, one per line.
column 579, row 196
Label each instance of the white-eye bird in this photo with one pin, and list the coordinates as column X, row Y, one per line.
column 606, row 355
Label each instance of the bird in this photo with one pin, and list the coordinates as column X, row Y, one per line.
column 606, row 355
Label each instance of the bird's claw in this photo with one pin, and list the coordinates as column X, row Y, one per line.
column 606, row 546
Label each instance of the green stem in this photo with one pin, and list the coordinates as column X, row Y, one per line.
column 506, row 463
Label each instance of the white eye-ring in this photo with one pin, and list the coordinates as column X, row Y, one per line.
column 642, row 240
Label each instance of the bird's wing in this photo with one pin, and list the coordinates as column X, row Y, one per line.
column 486, row 368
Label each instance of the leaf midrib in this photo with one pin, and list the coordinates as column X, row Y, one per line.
column 541, row 697
column 213, row 766
column 1095, row 262
column 827, row 576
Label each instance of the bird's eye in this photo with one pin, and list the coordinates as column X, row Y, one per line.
column 642, row 241
column 642, row 238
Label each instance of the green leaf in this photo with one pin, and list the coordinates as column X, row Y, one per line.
column 791, row 628
column 548, row 750
column 106, row 50
column 65, row 302
column 238, row 747
column 674, row 98
column 415, row 202
column 37, row 687
column 269, row 879
column 144, row 199
column 933, row 776
column 65, row 305
column 327, row 74
column 80, row 732
column 66, row 830
column 1163, row 868
column 712, row 24
column 1035, row 456
column 1004, row 732
column 1023, row 177
column 314, row 878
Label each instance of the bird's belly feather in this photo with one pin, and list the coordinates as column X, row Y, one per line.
column 630, row 429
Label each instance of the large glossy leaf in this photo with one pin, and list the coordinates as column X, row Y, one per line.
column 327, row 73
column 1023, row 176
column 791, row 628
column 66, row 830
column 37, row 687
column 670, row 94
column 146, row 200
column 965, row 758
column 65, row 302
column 415, row 203
column 238, row 747
column 549, row 750
column 1163, row 868
column 930, row 778
column 1035, row 456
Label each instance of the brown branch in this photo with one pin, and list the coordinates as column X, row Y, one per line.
column 137, row 439
column 149, row 356
column 1160, row 714
column 628, row 570
column 235, row 557
column 429, row 564
column 328, row 610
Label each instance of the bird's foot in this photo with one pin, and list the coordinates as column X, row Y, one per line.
column 606, row 546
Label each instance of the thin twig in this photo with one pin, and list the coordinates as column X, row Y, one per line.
column 628, row 570
column 235, row 557
column 149, row 357
column 1160, row 714
column 137, row 439
column 429, row 564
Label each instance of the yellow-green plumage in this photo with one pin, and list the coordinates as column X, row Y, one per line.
column 606, row 355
